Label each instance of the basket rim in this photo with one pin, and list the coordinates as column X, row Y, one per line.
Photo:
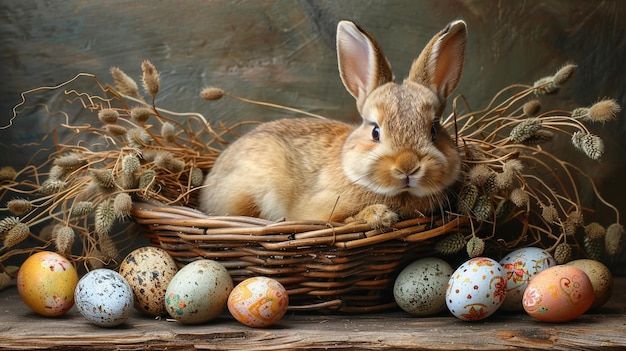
column 191, row 224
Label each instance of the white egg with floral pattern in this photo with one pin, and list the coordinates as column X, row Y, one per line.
column 476, row 289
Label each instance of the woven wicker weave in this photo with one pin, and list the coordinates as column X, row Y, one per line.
column 323, row 266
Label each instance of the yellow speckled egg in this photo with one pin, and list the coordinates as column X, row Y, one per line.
column 258, row 302
column 558, row 294
column 46, row 283
column 149, row 270
column 600, row 277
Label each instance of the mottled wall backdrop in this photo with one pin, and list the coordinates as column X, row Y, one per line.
column 283, row 52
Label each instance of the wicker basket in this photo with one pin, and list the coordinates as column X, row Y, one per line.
column 324, row 266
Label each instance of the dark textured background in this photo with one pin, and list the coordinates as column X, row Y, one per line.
column 283, row 52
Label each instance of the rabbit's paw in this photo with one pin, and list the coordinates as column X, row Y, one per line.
column 378, row 216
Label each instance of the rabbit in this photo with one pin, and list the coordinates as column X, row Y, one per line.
column 398, row 163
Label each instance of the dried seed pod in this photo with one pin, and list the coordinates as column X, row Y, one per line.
column 549, row 213
column 16, row 235
column 150, row 78
column 122, row 205
column 168, row 131
column 467, row 198
column 105, row 217
column 580, row 113
column 19, row 206
column 123, row 83
column 64, row 239
column 212, row 93
column 57, row 172
column 539, row 137
column 604, row 111
column 483, row 208
column 563, row 74
column 475, row 247
column 130, row 164
column 576, row 218
column 103, row 177
column 81, row 209
column 525, row 130
column 503, row 181
column 545, row 86
column 594, row 248
column 531, row 108
column 138, row 138
column 451, row 244
column 165, row 160
column 7, row 223
column 70, row 162
column 140, row 114
column 614, row 239
column 593, row 146
column 595, row 231
column 7, row 173
column 491, row 185
column 197, row 178
column 117, row 130
column 108, row 116
column 479, row 174
column 562, row 253
column 51, row 186
column 519, row 197
column 513, row 166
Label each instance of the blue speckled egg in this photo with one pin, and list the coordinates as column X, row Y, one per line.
column 104, row 297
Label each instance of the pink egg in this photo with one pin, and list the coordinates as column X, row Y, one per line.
column 258, row 302
column 558, row 294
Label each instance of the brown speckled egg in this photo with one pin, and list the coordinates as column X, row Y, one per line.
column 600, row 277
column 149, row 271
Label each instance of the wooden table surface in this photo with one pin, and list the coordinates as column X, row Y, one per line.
column 21, row 328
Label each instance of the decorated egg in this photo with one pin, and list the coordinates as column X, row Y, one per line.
column 46, row 283
column 558, row 294
column 520, row 266
column 198, row 292
column 149, row 271
column 601, row 280
column 476, row 289
column 258, row 302
column 420, row 288
column 104, row 297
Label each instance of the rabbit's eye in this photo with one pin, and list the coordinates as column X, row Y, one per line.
column 376, row 133
column 433, row 132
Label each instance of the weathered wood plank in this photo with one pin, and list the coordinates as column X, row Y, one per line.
column 22, row 329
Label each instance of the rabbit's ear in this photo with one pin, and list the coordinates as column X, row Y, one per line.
column 362, row 65
column 440, row 64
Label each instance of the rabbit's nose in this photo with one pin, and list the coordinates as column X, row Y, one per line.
column 407, row 163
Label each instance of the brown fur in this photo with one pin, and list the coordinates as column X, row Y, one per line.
column 328, row 170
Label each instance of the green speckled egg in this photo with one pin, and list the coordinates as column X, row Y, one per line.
column 198, row 292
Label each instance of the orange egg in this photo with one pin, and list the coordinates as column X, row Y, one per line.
column 46, row 283
column 558, row 294
column 258, row 302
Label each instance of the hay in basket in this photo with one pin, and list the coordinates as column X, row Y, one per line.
column 140, row 166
